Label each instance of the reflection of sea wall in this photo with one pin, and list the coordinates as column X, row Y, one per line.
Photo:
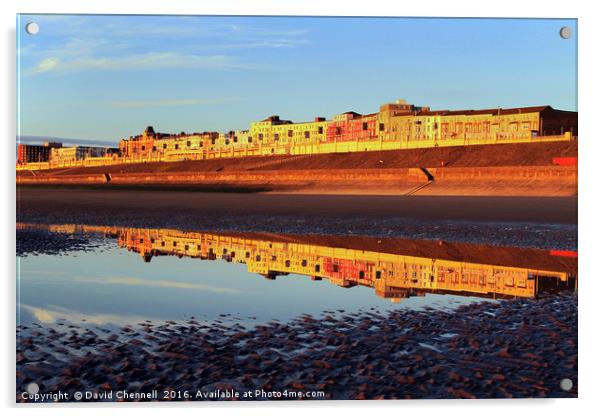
column 395, row 268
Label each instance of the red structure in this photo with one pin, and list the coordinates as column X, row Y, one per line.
column 351, row 126
column 564, row 161
column 32, row 153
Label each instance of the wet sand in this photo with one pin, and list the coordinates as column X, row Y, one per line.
column 548, row 223
column 519, row 348
column 557, row 210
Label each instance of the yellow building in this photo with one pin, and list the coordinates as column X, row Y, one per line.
column 415, row 127
column 276, row 136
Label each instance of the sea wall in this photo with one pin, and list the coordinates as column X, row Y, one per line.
column 500, row 181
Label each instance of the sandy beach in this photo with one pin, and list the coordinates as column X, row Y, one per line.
column 499, row 350
column 523, row 222
column 557, row 210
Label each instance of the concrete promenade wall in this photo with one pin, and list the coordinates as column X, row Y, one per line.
column 507, row 181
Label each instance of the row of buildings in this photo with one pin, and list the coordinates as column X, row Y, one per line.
column 397, row 125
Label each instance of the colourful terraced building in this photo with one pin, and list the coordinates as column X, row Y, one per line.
column 397, row 125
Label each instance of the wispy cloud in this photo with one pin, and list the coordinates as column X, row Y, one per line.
column 197, row 28
column 255, row 44
column 53, row 314
column 121, row 43
column 171, row 103
column 146, row 61
column 167, row 284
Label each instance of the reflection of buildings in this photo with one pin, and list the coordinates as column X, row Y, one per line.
column 395, row 268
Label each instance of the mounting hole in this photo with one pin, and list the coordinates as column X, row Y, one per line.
column 565, row 32
column 566, row 384
column 32, row 28
column 33, row 388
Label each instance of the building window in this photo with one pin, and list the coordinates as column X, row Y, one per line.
column 364, row 126
column 235, row 139
column 188, row 143
column 260, row 136
column 177, row 146
column 143, row 148
column 290, row 133
column 154, row 148
column 276, row 136
column 381, row 127
column 337, row 131
column 306, row 134
column 212, row 141
column 164, row 145
column 250, row 140
column 320, row 130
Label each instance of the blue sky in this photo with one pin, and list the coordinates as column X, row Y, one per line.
column 107, row 77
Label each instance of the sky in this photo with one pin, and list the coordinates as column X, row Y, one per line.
column 102, row 78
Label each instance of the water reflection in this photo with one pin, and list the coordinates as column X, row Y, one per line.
column 394, row 268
